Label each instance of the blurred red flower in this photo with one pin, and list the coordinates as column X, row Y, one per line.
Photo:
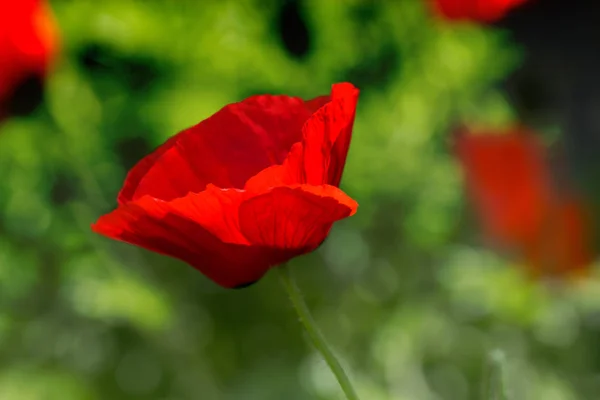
column 519, row 204
column 28, row 43
column 251, row 187
column 474, row 10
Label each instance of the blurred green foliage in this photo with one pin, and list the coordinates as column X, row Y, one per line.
column 405, row 290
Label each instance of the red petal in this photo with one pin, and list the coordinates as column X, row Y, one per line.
column 327, row 135
column 231, row 236
column 319, row 134
column 289, row 173
column 574, row 238
column 474, row 10
column 214, row 209
column 508, row 181
column 563, row 246
column 175, row 229
column 28, row 42
column 137, row 173
column 294, row 218
column 318, row 102
column 226, row 149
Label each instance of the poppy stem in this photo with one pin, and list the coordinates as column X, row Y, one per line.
column 494, row 385
column 314, row 333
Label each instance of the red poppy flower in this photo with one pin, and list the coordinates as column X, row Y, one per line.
column 28, row 43
column 474, row 10
column 251, row 187
column 519, row 204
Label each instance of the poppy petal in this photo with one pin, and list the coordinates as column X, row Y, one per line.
column 137, row 173
column 327, row 135
column 289, row 173
column 295, row 217
column 172, row 230
column 574, row 238
column 216, row 210
column 563, row 246
column 474, row 10
column 37, row 37
column 226, row 149
column 29, row 42
column 508, row 180
column 318, row 102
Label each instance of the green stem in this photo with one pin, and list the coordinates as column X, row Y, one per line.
column 315, row 335
column 494, row 385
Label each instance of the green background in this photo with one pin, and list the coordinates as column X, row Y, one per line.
column 406, row 290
